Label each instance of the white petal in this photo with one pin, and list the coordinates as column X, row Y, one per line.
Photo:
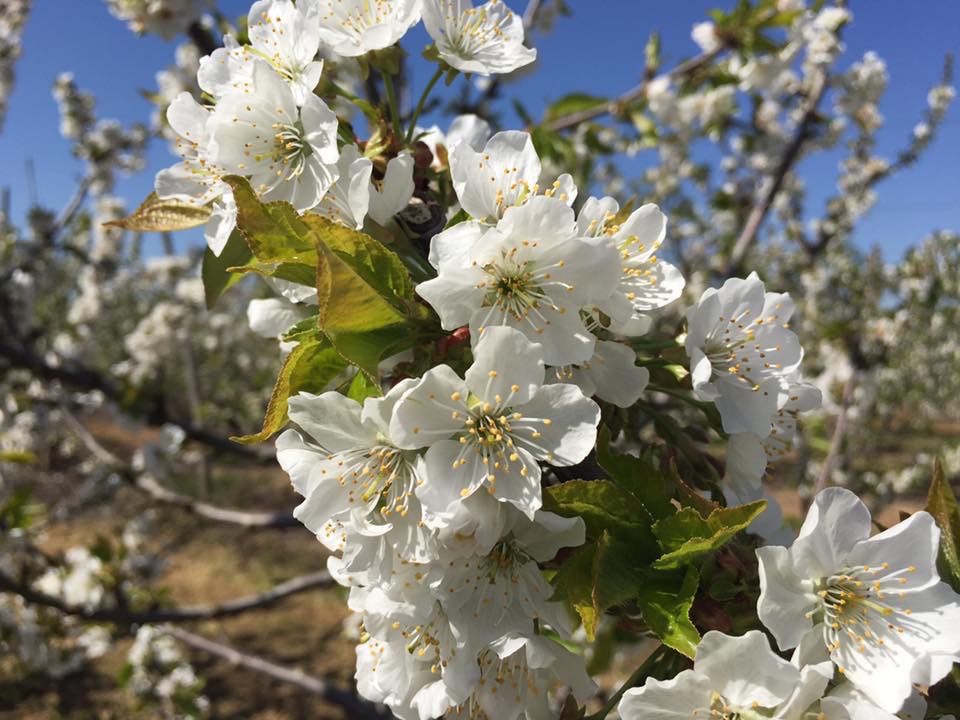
column 506, row 365
column 784, row 599
column 836, row 522
column 332, row 419
column 744, row 670
column 423, row 415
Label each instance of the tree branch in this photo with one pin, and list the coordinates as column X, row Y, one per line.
column 836, row 441
column 614, row 106
column 188, row 613
column 355, row 707
column 790, row 156
column 87, row 379
column 149, row 486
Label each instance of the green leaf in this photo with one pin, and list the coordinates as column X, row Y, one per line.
column 361, row 285
column 274, row 231
column 361, row 388
column 942, row 505
column 604, row 507
column 637, row 476
column 309, row 367
column 573, row 103
column 665, row 599
column 217, row 278
column 687, row 535
column 596, row 577
column 168, row 215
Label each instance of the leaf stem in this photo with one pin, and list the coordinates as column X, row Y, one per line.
column 638, row 676
column 422, row 102
column 392, row 102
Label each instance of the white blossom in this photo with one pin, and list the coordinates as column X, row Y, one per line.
column 485, row 40
column 741, row 349
column 876, row 603
column 355, row 27
column 532, row 271
column 489, row 431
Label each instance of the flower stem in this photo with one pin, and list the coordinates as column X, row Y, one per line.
column 639, row 675
column 423, row 101
column 392, row 102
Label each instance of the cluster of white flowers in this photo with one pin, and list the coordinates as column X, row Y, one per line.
column 159, row 676
column 105, row 145
column 867, row 617
column 268, row 125
column 745, row 359
column 13, row 17
column 166, row 18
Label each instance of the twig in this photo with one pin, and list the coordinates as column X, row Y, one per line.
column 836, row 441
column 149, row 486
column 355, row 707
column 614, row 106
column 638, row 676
column 790, row 156
column 71, row 209
column 188, row 613
column 83, row 378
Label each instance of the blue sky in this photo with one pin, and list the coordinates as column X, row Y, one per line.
column 599, row 50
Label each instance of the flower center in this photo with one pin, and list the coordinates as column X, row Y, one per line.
column 290, row 148
column 860, row 605
column 472, row 29
column 381, row 470
column 521, row 289
column 735, row 354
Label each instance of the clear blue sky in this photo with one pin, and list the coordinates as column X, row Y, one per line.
column 598, row 50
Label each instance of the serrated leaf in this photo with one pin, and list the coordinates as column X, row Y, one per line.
column 168, row 215
column 215, row 272
column 274, row 231
column 362, row 387
column 942, row 505
column 637, row 476
column 309, row 367
column 348, row 302
column 596, row 577
column 665, row 599
column 687, row 535
column 604, row 507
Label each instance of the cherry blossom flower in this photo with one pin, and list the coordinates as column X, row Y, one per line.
column 350, row 473
column 355, row 27
column 531, row 272
column 490, row 430
column 741, row 350
column 647, row 283
column 289, row 152
column 877, row 603
column 506, row 173
column 730, row 676
column 484, row 40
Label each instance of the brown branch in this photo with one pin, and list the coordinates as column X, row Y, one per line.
column 356, row 708
column 616, row 105
column 836, row 441
column 147, row 485
column 87, row 379
column 187, row 613
column 790, row 156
